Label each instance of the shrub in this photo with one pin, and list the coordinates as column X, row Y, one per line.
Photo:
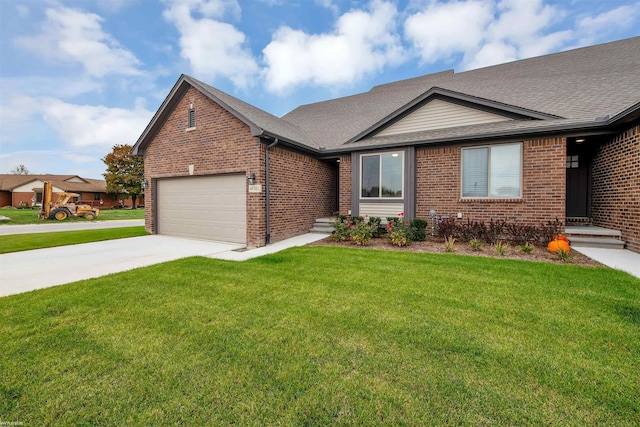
column 475, row 244
column 418, row 230
column 494, row 231
column 374, row 222
column 361, row 233
column 548, row 230
column 500, row 248
column 447, row 227
column 449, row 244
column 519, row 234
column 342, row 229
column 357, row 219
column 527, row 248
column 399, row 233
column 471, row 230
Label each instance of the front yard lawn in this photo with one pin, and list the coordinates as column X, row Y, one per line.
column 27, row 242
column 30, row 216
column 323, row 336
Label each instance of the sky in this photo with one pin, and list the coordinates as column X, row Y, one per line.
column 80, row 76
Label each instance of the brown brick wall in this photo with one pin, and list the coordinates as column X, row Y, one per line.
column 220, row 144
column 5, row 198
column 302, row 189
column 615, row 181
column 345, row 185
column 438, row 185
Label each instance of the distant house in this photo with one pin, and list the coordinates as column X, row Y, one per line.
column 26, row 190
column 557, row 136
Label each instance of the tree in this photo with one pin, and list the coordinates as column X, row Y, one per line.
column 125, row 172
column 20, row 170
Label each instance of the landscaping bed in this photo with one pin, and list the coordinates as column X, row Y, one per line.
column 436, row 245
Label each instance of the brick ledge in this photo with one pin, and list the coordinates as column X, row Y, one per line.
column 492, row 200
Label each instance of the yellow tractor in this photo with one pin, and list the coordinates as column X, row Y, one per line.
column 61, row 209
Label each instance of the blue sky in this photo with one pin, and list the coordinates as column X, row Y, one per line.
column 78, row 76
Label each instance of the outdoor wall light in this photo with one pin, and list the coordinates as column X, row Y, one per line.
column 580, row 140
column 251, row 178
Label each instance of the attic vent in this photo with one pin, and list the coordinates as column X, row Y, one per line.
column 192, row 118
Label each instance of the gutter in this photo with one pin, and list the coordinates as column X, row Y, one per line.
column 267, row 240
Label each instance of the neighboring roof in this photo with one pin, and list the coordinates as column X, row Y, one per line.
column 9, row 181
column 589, row 88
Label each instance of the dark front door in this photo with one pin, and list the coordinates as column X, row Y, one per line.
column 577, row 186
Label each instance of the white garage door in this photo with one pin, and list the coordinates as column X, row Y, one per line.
column 203, row 207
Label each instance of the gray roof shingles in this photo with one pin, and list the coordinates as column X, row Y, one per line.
column 581, row 84
column 572, row 88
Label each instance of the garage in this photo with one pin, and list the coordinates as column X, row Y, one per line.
column 203, row 207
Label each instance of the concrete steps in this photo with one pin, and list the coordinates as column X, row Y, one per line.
column 594, row 237
column 322, row 225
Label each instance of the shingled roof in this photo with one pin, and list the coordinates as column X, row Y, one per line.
column 586, row 88
column 10, row 181
column 577, row 86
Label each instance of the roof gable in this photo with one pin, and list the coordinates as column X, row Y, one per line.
column 439, row 114
column 260, row 122
column 440, row 108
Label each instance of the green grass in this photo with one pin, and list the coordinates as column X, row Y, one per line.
column 30, row 216
column 27, row 242
column 321, row 335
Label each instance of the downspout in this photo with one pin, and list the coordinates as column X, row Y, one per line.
column 266, row 190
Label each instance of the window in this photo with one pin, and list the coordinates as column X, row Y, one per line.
column 96, row 196
column 192, row 118
column 572, row 162
column 492, row 171
column 381, row 175
column 38, row 197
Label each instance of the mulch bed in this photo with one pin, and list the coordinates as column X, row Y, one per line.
column 436, row 245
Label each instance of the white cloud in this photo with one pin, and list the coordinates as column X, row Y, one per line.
column 363, row 42
column 94, row 126
column 443, row 29
column 623, row 17
column 77, row 37
column 485, row 32
column 212, row 47
column 328, row 4
column 40, row 162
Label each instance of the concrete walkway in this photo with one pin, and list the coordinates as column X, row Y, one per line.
column 8, row 229
column 620, row 259
column 43, row 268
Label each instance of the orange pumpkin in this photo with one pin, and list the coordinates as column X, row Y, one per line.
column 555, row 245
column 561, row 237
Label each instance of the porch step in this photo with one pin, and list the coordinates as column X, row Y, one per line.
column 594, row 237
column 578, row 221
column 322, row 225
column 596, row 242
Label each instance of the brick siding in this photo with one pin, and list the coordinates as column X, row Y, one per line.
column 543, row 188
column 302, row 189
column 5, row 198
column 615, row 201
column 220, row 144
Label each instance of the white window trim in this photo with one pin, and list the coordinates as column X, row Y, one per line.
column 489, row 196
column 401, row 153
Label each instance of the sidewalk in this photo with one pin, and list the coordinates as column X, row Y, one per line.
column 620, row 259
column 6, row 230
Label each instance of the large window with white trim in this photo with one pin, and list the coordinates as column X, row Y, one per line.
column 382, row 175
column 492, row 172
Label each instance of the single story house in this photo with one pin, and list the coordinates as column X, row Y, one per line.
column 556, row 136
column 26, row 190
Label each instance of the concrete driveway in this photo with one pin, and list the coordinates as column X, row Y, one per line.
column 42, row 268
